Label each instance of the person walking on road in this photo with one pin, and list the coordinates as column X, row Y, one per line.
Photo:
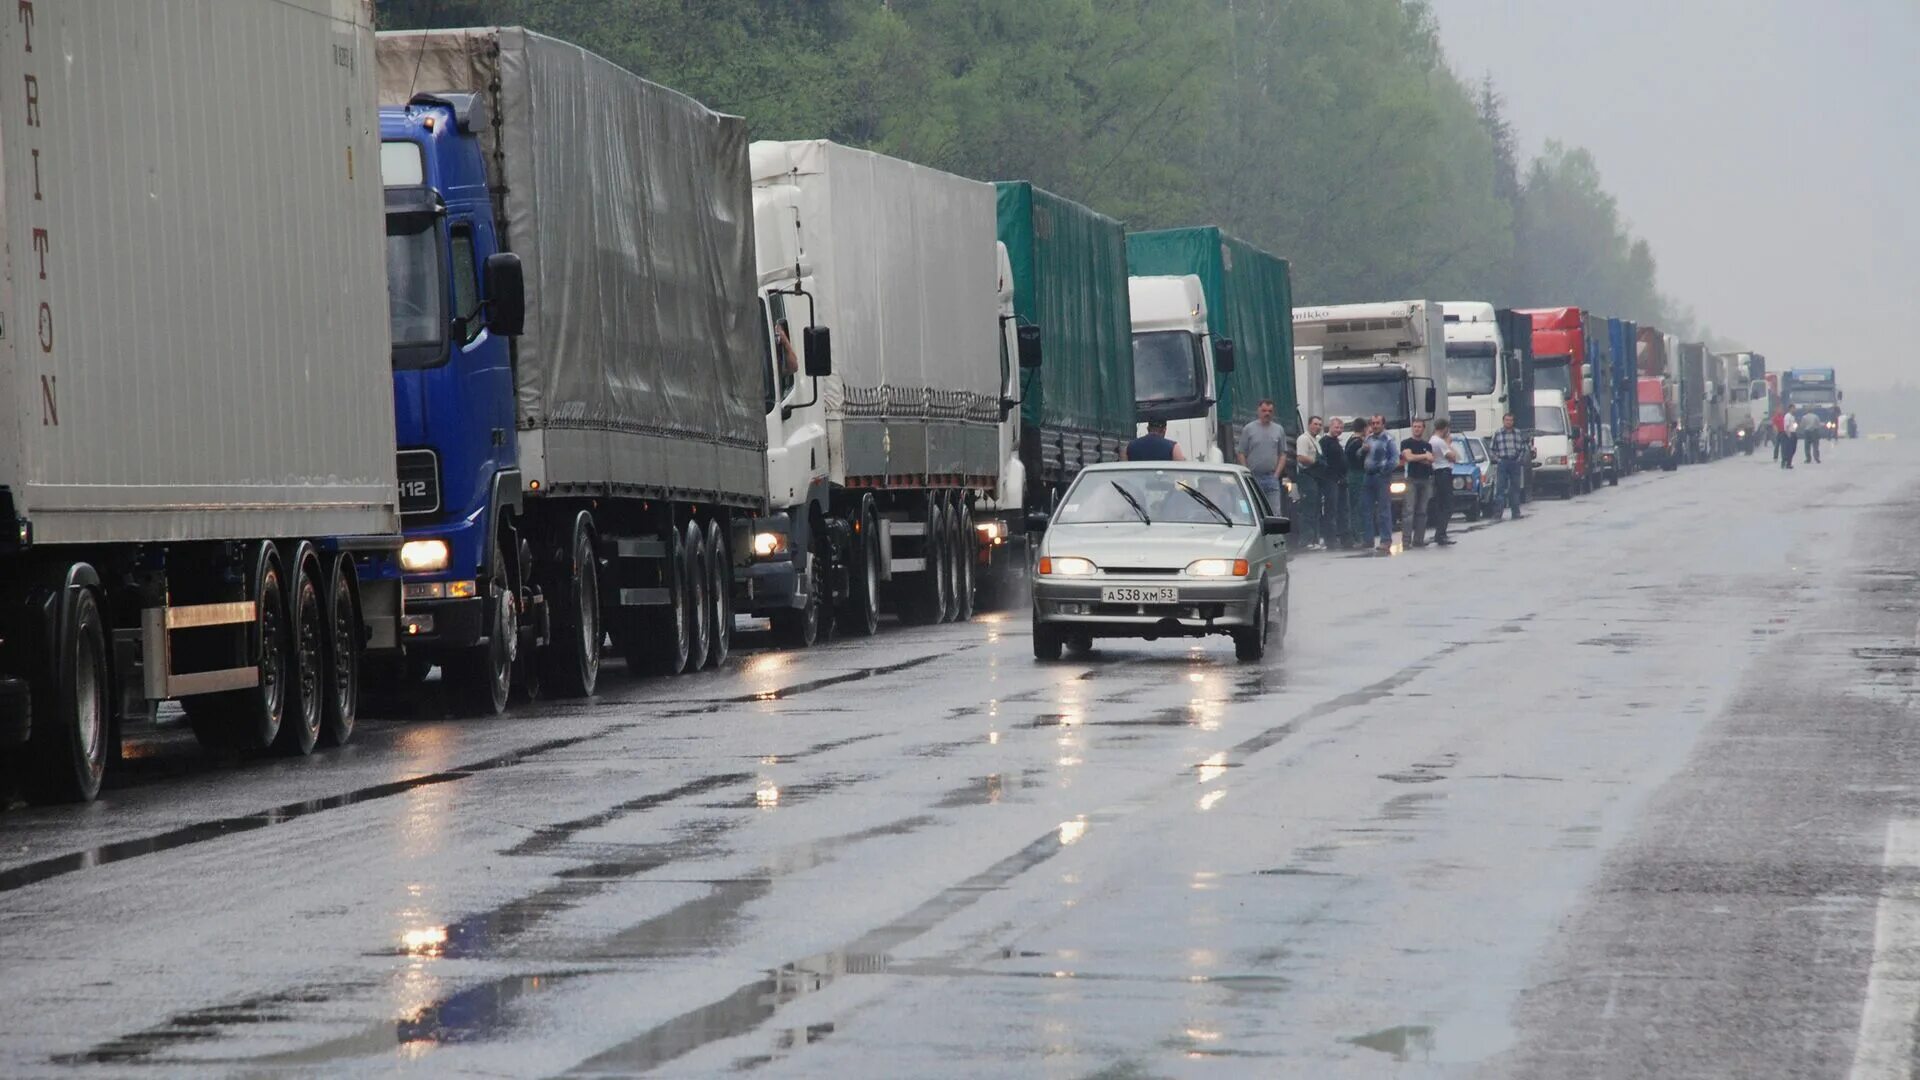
column 1779, row 430
column 1811, row 428
column 1789, row 438
column 1359, row 525
column 1510, row 455
column 1445, row 456
column 1333, row 488
column 1306, row 476
column 1262, row 449
column 1153, row 446
column 1382, row 459
column 1416, row 456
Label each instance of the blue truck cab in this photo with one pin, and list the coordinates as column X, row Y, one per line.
column 457, row 301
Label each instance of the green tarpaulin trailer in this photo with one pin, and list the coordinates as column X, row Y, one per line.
column 1249, row 301
column 1069, row 279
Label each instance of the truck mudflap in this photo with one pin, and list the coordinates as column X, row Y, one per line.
column 16, row 711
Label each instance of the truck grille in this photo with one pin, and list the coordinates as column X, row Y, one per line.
column 1462, row 419
column 419, row 482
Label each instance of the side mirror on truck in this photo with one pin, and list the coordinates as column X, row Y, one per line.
column 506, row 294
column 1029, row 345
column 1433, row 400
column 819, row 345
column 1223, row 355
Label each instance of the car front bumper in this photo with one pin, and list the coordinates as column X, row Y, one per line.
column 1203, row 607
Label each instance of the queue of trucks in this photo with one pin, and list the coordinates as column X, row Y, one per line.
column 623, row 401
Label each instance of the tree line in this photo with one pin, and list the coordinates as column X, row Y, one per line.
column 1331, row 132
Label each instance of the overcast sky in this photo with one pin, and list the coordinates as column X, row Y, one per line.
column 1769, row 150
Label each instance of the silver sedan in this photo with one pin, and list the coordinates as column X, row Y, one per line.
column 1154, row 549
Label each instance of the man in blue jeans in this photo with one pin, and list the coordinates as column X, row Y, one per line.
column 1509, row 450
column 1382, row 458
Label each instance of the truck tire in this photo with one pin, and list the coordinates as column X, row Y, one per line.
column 480, row 678
column 570, row 664
column 250, row 719
column 72, row 706
column 799, row 628
column 659, row 643
column 862, row 612
column 966, row 552
column 699, row 613
column 719, row 593
column 921, row 602
column 306, row 656
column 341, row 693
column 944, row 532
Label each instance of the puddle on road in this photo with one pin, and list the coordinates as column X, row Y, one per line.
column 1402, row 1043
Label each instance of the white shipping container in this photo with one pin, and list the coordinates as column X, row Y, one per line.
column 906, row 274
column 193, row 313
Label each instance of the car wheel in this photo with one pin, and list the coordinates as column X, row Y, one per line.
column 1047, row 640
column 1250, row 643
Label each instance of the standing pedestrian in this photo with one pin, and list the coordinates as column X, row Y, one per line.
column 1812, row 426
column 1779, row 429
column 1382, row 459
column 1445, row 456
column 1510, row 455
column 1306, row 477
column 1333, row 487
column 1359, row 525
column 1416, row 457
column 1789, row 438
column 1262, row 449
column 1153, row 446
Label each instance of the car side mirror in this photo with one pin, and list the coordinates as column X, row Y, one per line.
column 506, row 294
column 1223, row 355
column 1027, row 339
column 1037, row 521
column 819, row 345
column 1276, row 526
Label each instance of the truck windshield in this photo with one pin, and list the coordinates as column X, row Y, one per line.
column 1367, row 393
column 1167, row 496
column 1550, row 419
column 416, row 296
column 1652, row 412
column 1166, row 367
column 1470, row 367
column 1553, row 373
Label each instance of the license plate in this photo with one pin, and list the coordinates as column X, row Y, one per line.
column 1120, row 594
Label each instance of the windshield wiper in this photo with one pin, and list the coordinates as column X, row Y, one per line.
column 1131, row 501
column 1206, row 502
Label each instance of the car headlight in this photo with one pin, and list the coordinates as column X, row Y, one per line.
column 1459, row 483
column 1070, row 566
column 768, row 544
column 1217, row 568
column 423, row 556
column 1398, row 487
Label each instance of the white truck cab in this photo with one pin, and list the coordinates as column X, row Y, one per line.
column 1310, row 383
column 1476, row 378
column 1173, row 362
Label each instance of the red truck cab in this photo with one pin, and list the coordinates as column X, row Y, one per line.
column 1560, row 363
column 1653, row 423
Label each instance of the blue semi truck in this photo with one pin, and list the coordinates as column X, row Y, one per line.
column 579, row 354
column 1817, row 389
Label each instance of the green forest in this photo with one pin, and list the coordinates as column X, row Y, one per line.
column 1332, row 132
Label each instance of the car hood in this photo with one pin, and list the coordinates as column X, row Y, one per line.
column 1124, row 546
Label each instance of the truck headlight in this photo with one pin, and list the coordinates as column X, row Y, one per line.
column 1217, row 568
column 1397, row 487
column 423, row 556
column 768, row 544
column 1070, row 566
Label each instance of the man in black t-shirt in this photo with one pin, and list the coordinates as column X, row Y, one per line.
column 1416, row 456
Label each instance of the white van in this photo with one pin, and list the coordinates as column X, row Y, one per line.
column 1552, row 443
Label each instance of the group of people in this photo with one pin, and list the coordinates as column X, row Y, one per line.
column 1804, row 430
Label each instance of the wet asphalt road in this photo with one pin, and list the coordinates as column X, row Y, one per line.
column 1623, row 789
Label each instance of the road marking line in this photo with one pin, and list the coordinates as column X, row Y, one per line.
column 1885, row 1045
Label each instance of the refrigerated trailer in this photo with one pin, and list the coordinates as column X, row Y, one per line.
column 197, row 485
column 579, row 354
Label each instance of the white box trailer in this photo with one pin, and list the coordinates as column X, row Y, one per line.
column 875, row 465
column 199, row 448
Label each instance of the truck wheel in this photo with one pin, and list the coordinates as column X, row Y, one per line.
column 799, row 628
column 570, row 664
column 250, row 719
column 719, row 594
column 862, row 613
column 966, row 551
column 662, row 644
column 72, row 706
column 306, row 652
column 341, row 692
column 481, row 677
column 699, row 613
column 942, row 529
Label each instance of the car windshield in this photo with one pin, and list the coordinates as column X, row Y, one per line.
column 1652, row 413
column 1364, row 394
column 1553, row 373
column 1475, row 451
column 1165, row 496
column 1470, row 367
column 1550, row 420
column 1164, row 367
